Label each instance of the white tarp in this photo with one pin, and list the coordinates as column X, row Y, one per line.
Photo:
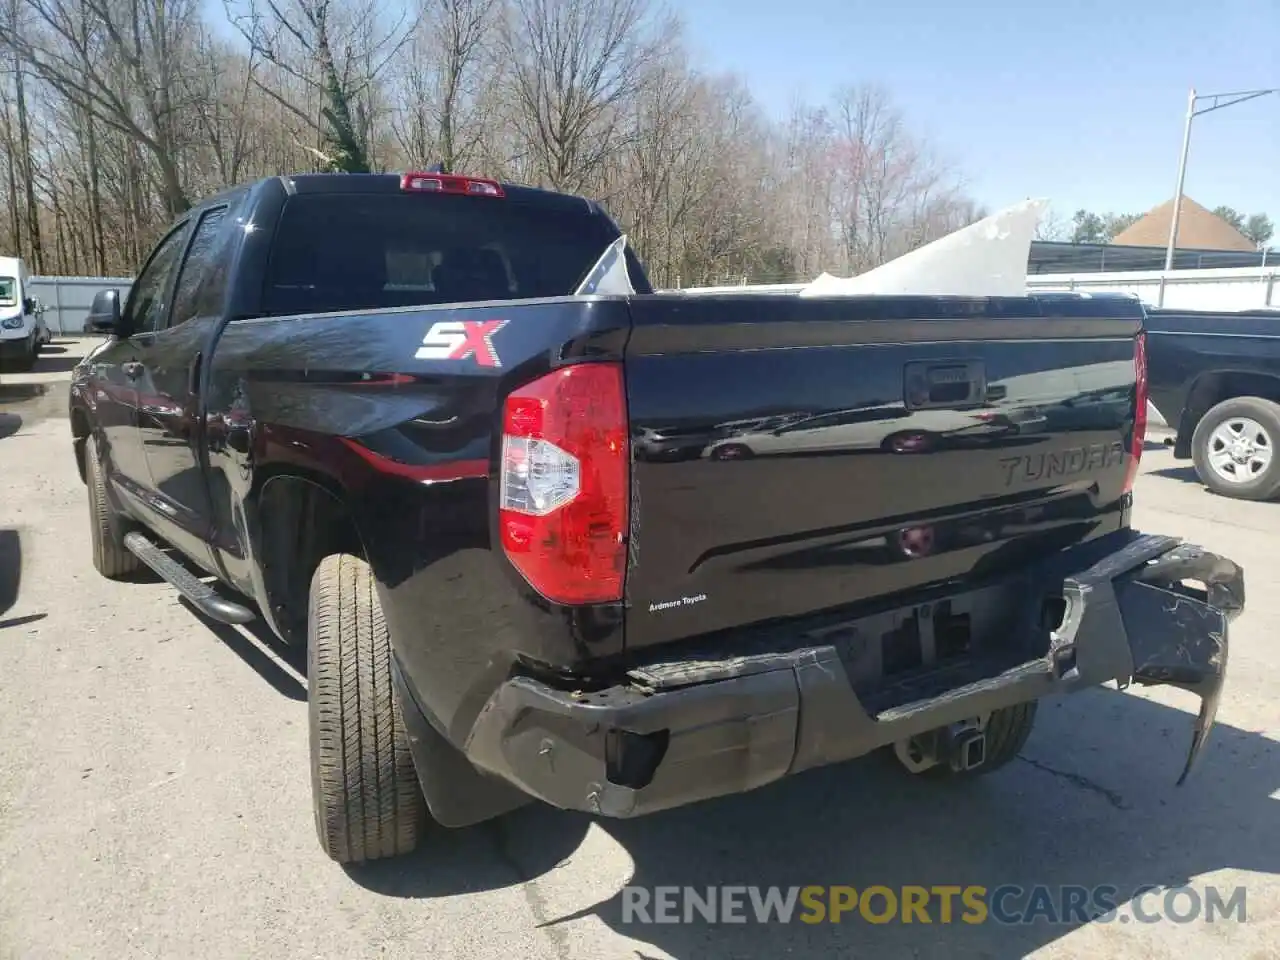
column 984, row 259
column 609, row 276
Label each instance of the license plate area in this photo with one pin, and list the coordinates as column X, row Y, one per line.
column 924, row 650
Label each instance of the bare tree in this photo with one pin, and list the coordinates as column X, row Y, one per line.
column 863, row 189
column 447, row 69
column 22, row 145
column 1053, row 226
column 221, row 109
column 333, row 47
column 114, row 114
column 807, row 170
column 13, row 164
column 123, row 63
column 575, row 64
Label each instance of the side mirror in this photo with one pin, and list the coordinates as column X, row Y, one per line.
column 104, row 314
column 29, row 305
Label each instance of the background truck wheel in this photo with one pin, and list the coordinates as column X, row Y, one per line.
column 912, row 543
column 1234, row 448
column 368, row 803
column 1004, row 734
column 110, row 558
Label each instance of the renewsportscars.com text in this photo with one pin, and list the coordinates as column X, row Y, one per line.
column 937, row 904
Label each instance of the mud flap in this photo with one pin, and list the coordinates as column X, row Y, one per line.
column 1178, row 631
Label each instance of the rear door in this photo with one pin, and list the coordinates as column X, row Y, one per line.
column 120, row 385
column 170, row 421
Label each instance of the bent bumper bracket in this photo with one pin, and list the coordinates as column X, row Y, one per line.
column 1189, row 648
column 1173, row 602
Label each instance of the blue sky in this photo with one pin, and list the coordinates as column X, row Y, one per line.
column 1081, row 102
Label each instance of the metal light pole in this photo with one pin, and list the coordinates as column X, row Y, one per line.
column 1219, row 100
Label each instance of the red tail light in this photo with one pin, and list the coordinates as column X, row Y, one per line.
column 564, row 494
column 450, row 183
column 1140, row 410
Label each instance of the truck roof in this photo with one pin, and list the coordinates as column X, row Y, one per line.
column 312, row 183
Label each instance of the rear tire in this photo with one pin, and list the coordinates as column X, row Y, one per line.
column 365, row 791
column 1007, row 730
column 1253, row 422
column 110, row 556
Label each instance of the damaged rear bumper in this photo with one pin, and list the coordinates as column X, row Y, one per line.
column 675, row 734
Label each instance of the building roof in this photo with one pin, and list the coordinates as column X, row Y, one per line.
column 1197, row 227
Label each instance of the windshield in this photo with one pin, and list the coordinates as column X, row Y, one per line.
column 369, row 251
column 8, row 292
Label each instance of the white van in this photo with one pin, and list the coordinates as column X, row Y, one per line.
column 22, row 332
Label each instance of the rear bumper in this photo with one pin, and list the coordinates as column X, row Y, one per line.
column 676, row 734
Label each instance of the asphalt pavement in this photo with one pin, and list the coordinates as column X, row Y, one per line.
column 154, row 794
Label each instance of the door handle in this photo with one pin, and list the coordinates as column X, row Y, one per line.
column 132, row 370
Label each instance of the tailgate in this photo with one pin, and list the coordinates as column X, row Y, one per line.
column 795, row 456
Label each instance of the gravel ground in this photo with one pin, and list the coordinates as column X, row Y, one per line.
column 154, row 796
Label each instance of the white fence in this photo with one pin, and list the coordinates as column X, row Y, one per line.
column 1223, row 288
column 67, row 299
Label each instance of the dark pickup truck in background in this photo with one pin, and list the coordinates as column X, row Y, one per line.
column 382, row 413
column 1215, row 380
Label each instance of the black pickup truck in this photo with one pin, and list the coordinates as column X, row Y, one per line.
column 1215, row 380
column 387, row 414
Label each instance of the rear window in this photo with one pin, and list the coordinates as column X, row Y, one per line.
column 364, row 252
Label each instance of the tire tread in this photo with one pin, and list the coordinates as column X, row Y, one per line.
column 368, row 802
column 110, row 556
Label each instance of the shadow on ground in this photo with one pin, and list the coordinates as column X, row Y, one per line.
column 26, row 404
column 489, row 856
column 11, row 579
column 58, row 364
column 21, row 392
column 261, row 650
column 1185, row 474
column 1177, row 470
column 1090, row 802
column 10, row 567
